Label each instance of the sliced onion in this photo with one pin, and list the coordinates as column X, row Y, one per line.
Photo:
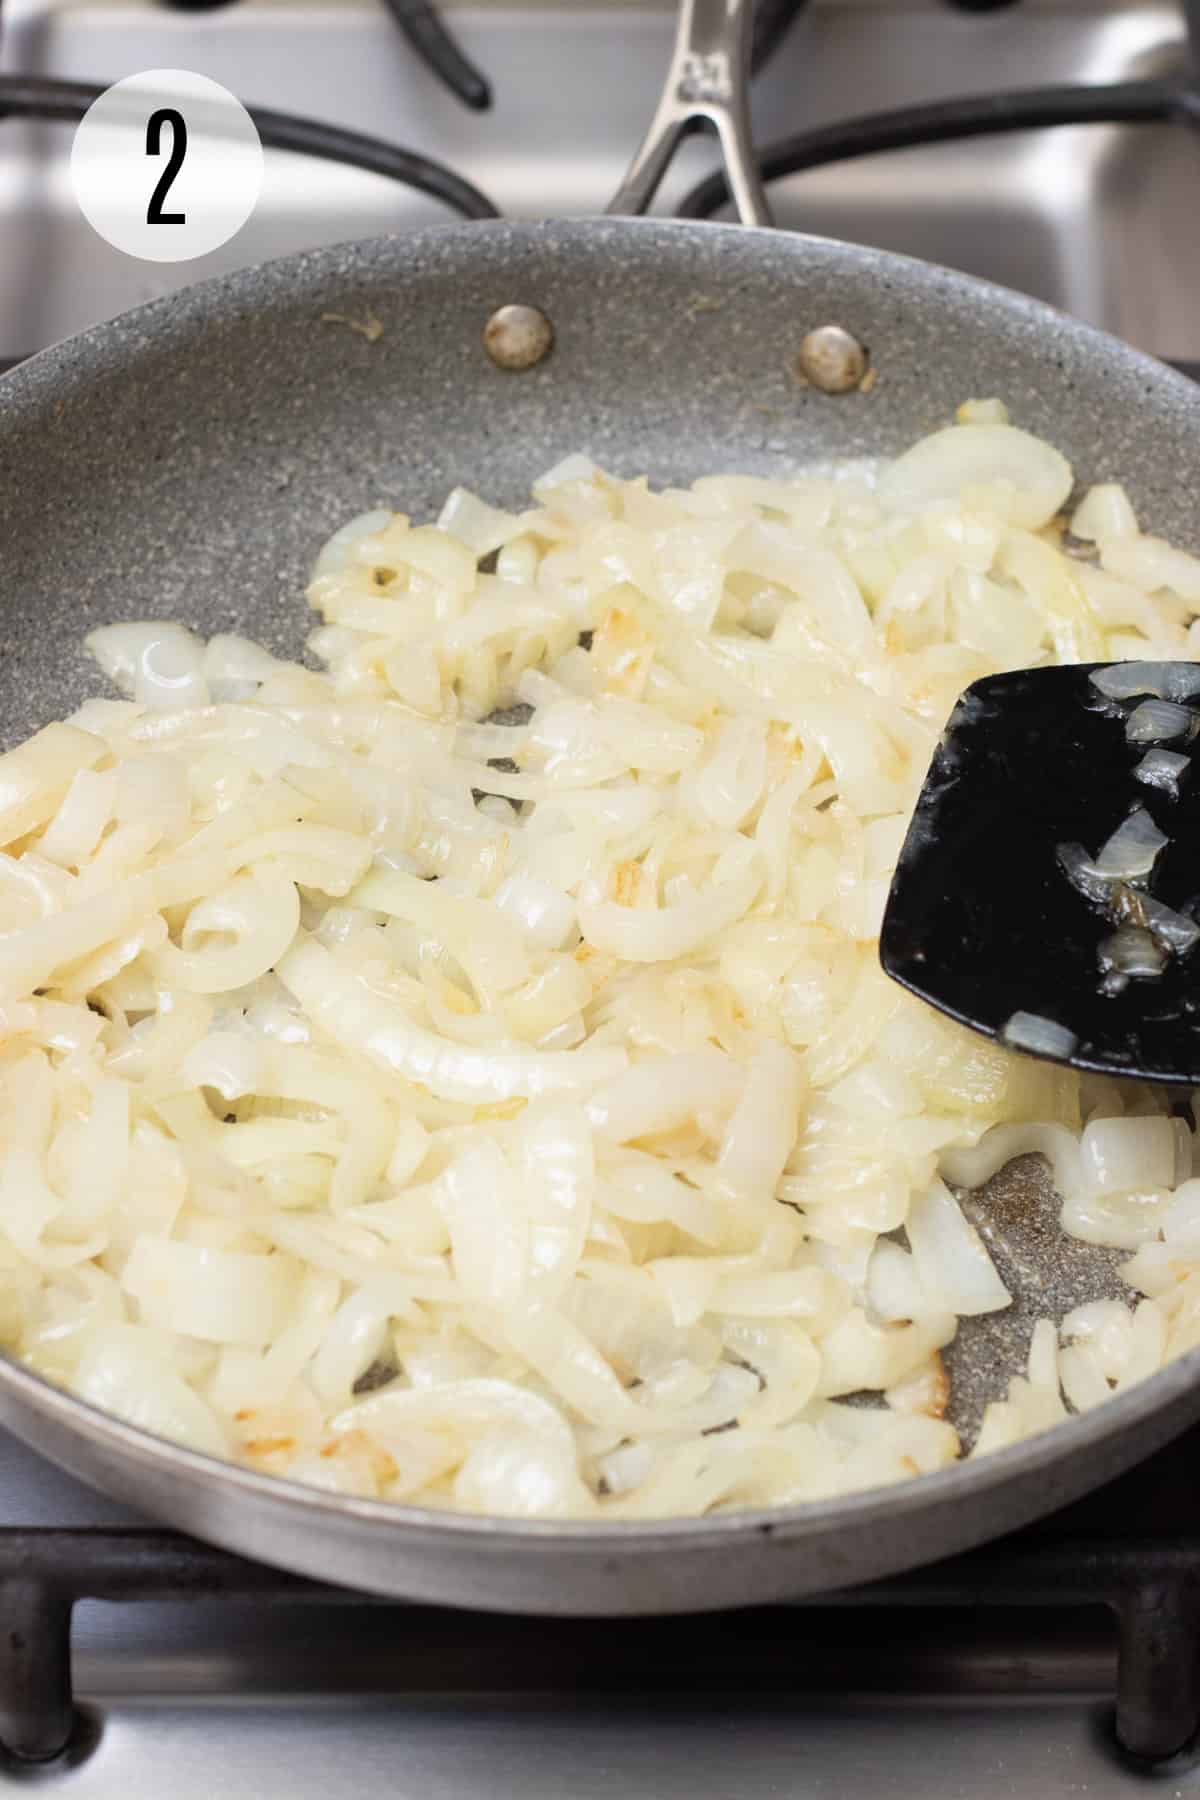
column 227, row 1061
column 76, row 829
column 489, row 1228
column 522, row 1478
column 762, row 1131
column 362, row 1020
column 545, row 914
column 220, row 1296
column 557, row 1171
column 37, row 774
column 1034, row 478
column 467, row 1409
column 894, row 1288
column 661, row 1093
column 661, row 934
column 259, row 912
column 122, row 1372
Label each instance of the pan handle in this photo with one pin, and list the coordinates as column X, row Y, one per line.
column 708, row 79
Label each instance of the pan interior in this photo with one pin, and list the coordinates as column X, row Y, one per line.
column 187, row 460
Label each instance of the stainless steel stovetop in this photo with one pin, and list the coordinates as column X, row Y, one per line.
column 1099, row 220
column 992, row 1676
column 1000, row 1675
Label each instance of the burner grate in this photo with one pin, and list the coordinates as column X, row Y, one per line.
column 1151, row 1586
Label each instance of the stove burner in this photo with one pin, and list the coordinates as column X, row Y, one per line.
column 1149, row 1583
column 37, row 97
column 422, row 25
column 439, row 50
column 1168, row 100
column 1172, row 99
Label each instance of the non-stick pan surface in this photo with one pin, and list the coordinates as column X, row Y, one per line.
column 187, row 460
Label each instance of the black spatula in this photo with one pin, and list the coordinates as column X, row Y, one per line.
column 1048, row 891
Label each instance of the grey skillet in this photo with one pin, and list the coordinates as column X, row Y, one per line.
column 187, row 459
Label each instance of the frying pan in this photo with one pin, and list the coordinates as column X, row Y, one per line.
column 187, row 459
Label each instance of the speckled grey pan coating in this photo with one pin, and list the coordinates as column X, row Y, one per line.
column 188, row 459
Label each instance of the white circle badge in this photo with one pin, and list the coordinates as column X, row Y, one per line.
column 166, row 165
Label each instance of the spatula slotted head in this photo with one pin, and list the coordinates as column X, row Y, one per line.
column 983, row 920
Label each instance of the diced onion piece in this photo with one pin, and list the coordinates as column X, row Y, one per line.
column 1121, row 1156
column 1163, row 769
column 1039, row 1035
column 1083, row 873
column 473, row 522
column 1176, row 681
column 1172, row 928
column 1133, row 952
column 1133, row 848
column 1159, row 722
column 337, row 551
column 951, row 1260
column 1104, row 512
column 575, row 467
column 894, row 1287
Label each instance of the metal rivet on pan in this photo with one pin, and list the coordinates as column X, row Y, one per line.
column 832, row 359
column 518, row 337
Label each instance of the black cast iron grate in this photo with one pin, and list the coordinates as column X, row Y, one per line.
column 1131, row 1547
column 1152, row 1587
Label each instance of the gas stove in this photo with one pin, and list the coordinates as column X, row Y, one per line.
column 1094, row 219
column 1062, row 1661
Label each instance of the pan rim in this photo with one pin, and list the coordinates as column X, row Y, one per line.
column 316, row 264
column 24, row 388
